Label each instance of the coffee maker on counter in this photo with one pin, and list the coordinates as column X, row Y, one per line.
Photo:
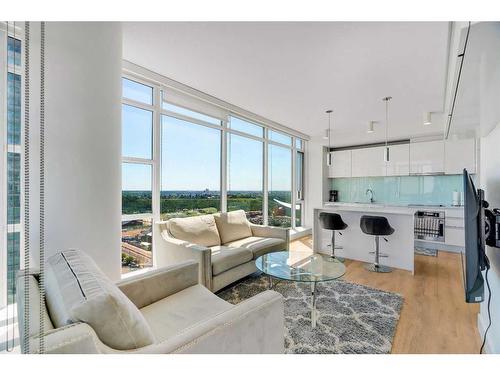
column 334, row 196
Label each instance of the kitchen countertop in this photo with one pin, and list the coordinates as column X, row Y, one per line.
column 451, row 211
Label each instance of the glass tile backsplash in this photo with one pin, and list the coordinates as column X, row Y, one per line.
column 401, row 190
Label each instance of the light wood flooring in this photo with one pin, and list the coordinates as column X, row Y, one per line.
column 434, row 318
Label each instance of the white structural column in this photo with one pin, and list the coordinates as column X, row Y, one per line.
column 83, row 141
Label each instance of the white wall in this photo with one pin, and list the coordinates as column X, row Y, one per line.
column 490, row 182
column 83, row 141
column 315, row 182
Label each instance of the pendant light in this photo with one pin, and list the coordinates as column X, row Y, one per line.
column 386, row 153
column 329, row 155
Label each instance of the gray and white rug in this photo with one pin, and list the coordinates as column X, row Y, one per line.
column 351, row 318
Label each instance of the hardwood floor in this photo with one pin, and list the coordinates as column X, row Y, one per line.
column 434, row 317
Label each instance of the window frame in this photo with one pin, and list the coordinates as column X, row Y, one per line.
column 159, row 87
column 263, row 146
column 223, row 142
column 153, row 162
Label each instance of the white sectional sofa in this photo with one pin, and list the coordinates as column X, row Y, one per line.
column 224, row 244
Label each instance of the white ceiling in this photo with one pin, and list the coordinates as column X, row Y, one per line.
column 292, row 72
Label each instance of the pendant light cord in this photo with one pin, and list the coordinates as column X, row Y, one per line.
column 329, row 131
column 386, row 100
column 386, row 121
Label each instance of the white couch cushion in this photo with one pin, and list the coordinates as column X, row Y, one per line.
column 200, row 230
column 224, row 258
column 232, row 225
column 259, row 245
column 181, row 310
column 77, row 291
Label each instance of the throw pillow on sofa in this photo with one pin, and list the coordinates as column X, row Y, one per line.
column 232, row 226
column 77, row 291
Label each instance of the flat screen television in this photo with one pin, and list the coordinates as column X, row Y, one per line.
column 475, row 240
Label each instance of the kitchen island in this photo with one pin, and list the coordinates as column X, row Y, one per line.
column 401, row 244
column 357, row 245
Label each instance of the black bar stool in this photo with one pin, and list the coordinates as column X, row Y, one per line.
column 333, row 222
column 376, row 226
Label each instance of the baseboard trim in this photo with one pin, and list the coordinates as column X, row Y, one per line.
column 299, row 233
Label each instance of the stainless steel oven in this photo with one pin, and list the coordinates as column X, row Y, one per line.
column 429, row 225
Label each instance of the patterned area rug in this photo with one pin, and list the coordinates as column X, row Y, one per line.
column 351, row 318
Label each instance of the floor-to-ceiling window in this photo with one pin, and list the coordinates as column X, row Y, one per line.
column 137, row 175
column 190, row 168
column 279, row 186
column 185, row 155
column 245, row 155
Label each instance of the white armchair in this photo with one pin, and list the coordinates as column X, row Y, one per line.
column 224, row 244
column 184, row 316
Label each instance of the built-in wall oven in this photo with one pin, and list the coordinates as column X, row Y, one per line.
column 429, row 225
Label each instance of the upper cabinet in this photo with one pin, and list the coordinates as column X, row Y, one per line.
column 419, row 158
column 427, row 157
column 367, row 162
column 341, row 166
column 399, row 160
column 460, row 154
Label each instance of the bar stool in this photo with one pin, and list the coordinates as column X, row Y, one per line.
column 376, row 226
column 333, row 222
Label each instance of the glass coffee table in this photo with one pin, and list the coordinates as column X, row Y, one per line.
column 292, row 266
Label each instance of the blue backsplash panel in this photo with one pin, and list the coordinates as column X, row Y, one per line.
column 400, row 190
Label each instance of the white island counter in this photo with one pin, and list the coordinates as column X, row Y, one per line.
column 357, row 245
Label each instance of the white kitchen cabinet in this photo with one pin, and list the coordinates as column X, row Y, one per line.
column 368, row 162
column 454, row 236
column 427, row 157
column 460, row 154
column 454, row 232
column 399, row 160
column 341, row 166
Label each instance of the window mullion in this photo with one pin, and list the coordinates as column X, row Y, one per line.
column 223, row 171
column 265, row 167
column 294, row 185
column 156, row 190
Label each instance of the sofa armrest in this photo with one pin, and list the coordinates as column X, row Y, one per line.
column 271, row 232
column 78, row 338
column 170, row 251
column 255, row 325
column 152, row 286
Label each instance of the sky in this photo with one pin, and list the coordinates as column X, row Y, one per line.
column 191, row 153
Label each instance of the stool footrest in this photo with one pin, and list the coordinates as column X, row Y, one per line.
column 381, row 255
column 336, row 247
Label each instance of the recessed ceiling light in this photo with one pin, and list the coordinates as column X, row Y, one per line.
column 427, row 118
column 370, row 127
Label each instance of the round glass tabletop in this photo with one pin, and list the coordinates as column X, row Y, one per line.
column 295, row 267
